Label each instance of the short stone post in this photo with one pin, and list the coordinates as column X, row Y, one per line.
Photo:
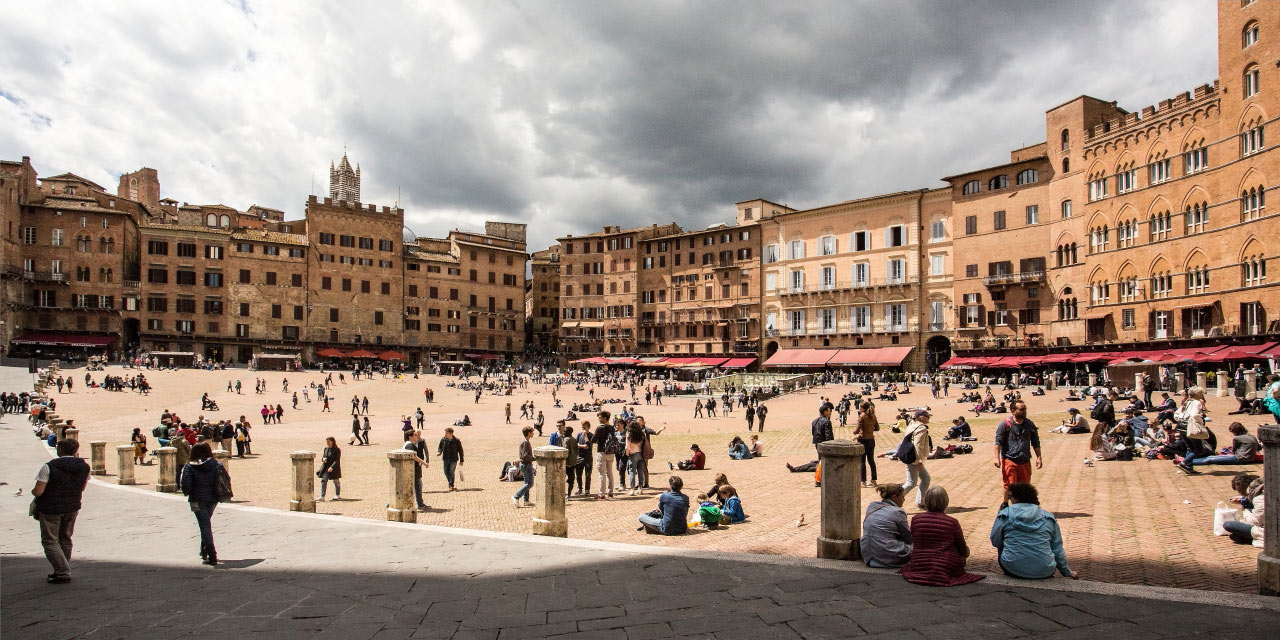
column 124, row 458
column 548, row 510
column 166, row 475
column 304, row 481
column 1224, row 382
column 1093, row 379
column 98, row 458
column 1269, row 559
column 841, row 527
column 401, row 507
column 1250, row 381
column 1137, row 384
column 224, row 458
column 1179, row 381
column 1202, row 380
column 71, row 434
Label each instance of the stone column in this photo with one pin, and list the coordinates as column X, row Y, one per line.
column 841, row 527
column 1137, row 384
column 166, row 475
column 1250, row 381
column 548, row 510
column 1179, row 381
column 1202, row 380
column 304, row 481
column 71, row 434
column 401, row 507
column 1224, row 384
column 124, row 457
column 98, row 458
column 1269, row 559
column 224, row 458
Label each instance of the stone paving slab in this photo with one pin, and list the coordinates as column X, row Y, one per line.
column 285, row 575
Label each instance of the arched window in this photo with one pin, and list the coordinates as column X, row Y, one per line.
column 225, row 220
column 971, row 187
column 211, row 220
column 1161, row 225
column 1197, row 217
column 1066, row 139
column 1254, row 271
column 1066, row 165
column 1250, row 35
column 1066, row 209
column 1251, row 81
column 111, row 245
column 1028, row 176
column 1198, row 279
column 998, row 182
column 1253, row 203
column 102, row 245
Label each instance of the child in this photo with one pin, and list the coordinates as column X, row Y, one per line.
column 732, row 509
column 708, row 512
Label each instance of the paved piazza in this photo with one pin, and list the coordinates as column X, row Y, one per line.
column 1135, row 522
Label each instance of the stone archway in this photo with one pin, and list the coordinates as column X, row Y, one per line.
column 937, row 351
column 770, row 349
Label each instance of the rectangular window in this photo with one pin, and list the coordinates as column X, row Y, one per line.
column 795, row 322
column 185, row 305
column 244, row 247
column 860, row 318
column 185, row 277
column 795, row 249
column 895, row 236
column 971, row 271
column 1158, row 171
column 1195, row 160
column 297, row 312
column 827, row 320
column 828, row 245
column 860, row 241
column 937, row 231
column 346, row 284
column 275, row 311
column 936, row 265
column 770, row 281
column 213, row 307
column 271, row 277
column 861, row 274
column 997, row 220
column 896, row 271
column 346, row 241
column 1033, row 214
column 970, row 225
column 895, row 317
column 158, row 276
column 1066, row 208
column 186, row 250
column 937, row 316
column 212, row 279
column 244, row 309
column 56, row 238
column 212, row 252
column 828, row 277
column 797, row 281
column 242, row 331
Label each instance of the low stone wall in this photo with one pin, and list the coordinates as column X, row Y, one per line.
column 786, row 382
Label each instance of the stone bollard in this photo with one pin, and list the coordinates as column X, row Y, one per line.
column 401, row 507
column 548, row 510
column 1269, row 559
column 1202, row 380
column 124, row 457
column 98, row 458
column 167, row 474
column 1250, row 381
column 841, row 524
column 71, row 434
column 224, row 458
column 1224, row 384
column 1137, row 384
column 1093, row 379
column 304, row 481
column 1179, row 381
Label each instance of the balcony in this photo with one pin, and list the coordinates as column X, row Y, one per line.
column 1006, row 279
column 847, row 285
column 47, row 276
column 844, row 329
column 132, row 284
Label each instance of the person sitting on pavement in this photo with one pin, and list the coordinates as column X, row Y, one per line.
column 696, row 461
column 1244, row 448
column 731, row 504
column 738, row 449
column 1249, row 529
column 886, row 537
column 939, row 551
column 960, row 429
column 1027, row 538
column 757, row 449
column 1166, row 408
column 1075, row 423
column 671, row 518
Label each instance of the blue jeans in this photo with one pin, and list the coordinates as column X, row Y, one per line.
column 526, row 470
column 1226, row 459
column 324, row 484
column 1239, row 531
column 449, row 467
column 417, row 490
column 651, row 524
column 634, row 475
column 918, row 477
column 204, row 518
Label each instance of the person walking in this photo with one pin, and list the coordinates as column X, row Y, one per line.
column 139, row 445
column 538, row 422
column 450, row 453
column 419, row 449
column 355, row 405
column 58, row 490
column 182, row 455
column 697, row 409
column 917, row 476
column 751, row 417
column 200, row 484
column 1016, row 439
column 325, row 408
column 526, row 469
column 419, row 417
column 355, row 432
column 761, row 412
column 330, row 469
column 295, row 399
column 364, row 405
column 508, row 413
column 1148, row 387
column 868, row 425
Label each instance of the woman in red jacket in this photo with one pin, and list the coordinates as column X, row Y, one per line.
column 938, row 549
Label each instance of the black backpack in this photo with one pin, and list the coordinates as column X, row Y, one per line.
column 613, row 445
column 906, row 452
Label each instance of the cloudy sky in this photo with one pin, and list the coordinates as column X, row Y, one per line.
column 569, row 116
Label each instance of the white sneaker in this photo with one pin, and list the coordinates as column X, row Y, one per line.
column 515, row 502
column 320, row 499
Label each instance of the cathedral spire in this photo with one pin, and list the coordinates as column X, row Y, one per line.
column 344, row 182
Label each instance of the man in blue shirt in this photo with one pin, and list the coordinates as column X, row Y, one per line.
column 674, row 509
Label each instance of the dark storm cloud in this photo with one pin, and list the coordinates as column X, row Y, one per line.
column 571, row 116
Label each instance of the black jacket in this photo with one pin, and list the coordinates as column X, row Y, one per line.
column 200, row 480
column 331, row 462
column 450, row 450
column 821, row 430
column 68, row 476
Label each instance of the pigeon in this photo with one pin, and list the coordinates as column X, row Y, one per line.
column 800, row 522
column 19, row 492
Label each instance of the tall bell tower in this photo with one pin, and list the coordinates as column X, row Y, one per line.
column 344, row 183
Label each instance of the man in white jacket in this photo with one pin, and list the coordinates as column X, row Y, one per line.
column 917, row 475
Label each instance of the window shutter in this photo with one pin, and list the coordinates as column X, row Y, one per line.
column 991, row 315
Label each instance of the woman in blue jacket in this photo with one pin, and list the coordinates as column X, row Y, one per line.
column 731, row 503
column 200, row 485
column 1027, row 538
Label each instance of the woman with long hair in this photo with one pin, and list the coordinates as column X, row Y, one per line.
column 867, row 428
column 200, row 485
column 139, row 445
column 330, row 469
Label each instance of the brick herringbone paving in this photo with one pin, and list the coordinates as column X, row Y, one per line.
column 1123, row 522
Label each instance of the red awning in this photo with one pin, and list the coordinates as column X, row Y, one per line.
column 329, row 352
column 801, row 358
column 361, row 353
column 873, row 357
column 621, row 361
column 1242, row 352
column 391, row 355
column 1055, row 358
column 959, row 362
column 710, row 362
column 64, row 340
column 738, row 363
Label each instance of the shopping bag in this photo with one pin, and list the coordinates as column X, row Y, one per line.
column 461, row 478
column 1223, row 513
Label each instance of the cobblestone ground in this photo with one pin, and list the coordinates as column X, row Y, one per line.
column 1135, row 522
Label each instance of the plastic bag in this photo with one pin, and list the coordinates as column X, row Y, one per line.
column 461, row 478
column 1223, row 513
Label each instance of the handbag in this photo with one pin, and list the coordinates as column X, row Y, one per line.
column 647, row 449
column 224, row 485
column 1196, row 428
column 1223, row 513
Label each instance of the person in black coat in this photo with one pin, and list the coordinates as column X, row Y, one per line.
column 58, row 489
column 200, row 485
column 330, row 469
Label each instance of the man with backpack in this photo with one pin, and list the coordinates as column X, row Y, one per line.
column 1016, row 439
column 607, row 446
column 913, row 451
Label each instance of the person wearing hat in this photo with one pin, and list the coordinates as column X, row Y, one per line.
column 695, row 462
column 917, row 475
